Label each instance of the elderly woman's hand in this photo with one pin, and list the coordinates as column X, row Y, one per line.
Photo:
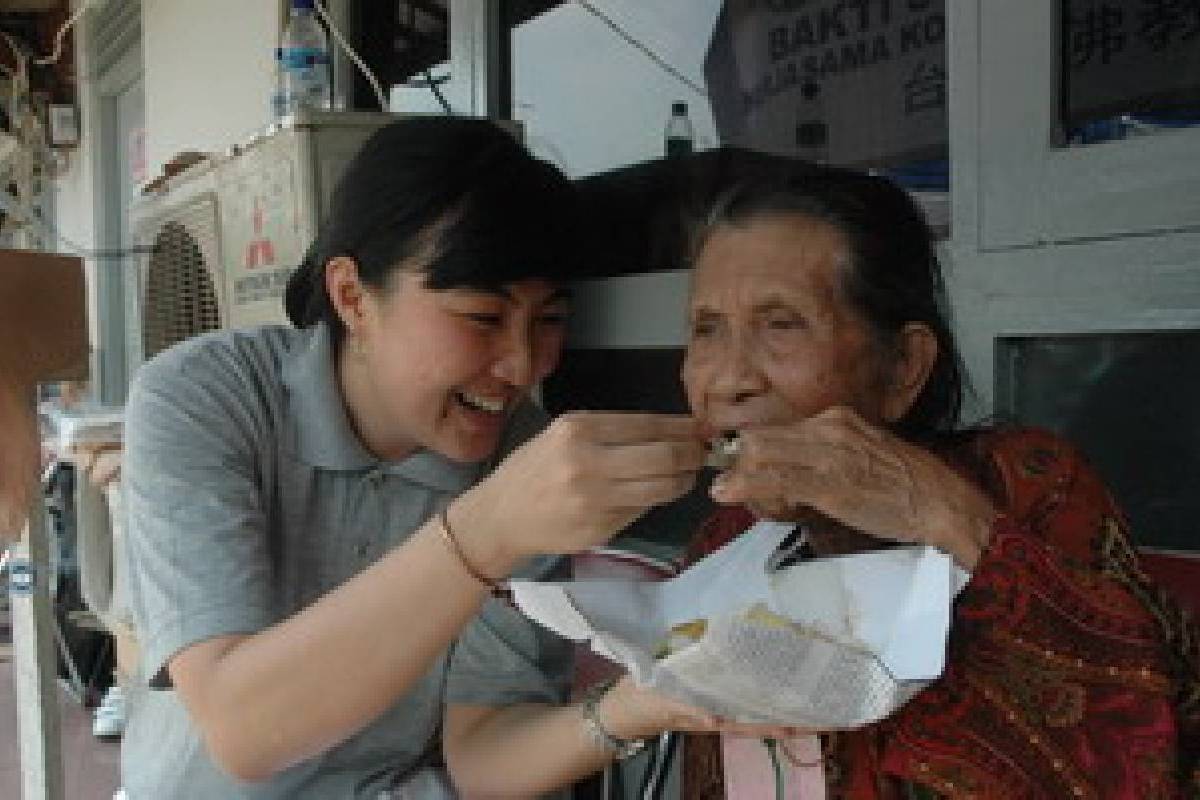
column 862, row 476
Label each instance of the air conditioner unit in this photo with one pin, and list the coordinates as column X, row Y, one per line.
column 219, row 240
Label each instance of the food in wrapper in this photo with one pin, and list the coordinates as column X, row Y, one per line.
column 682, row 635
column 825, row 644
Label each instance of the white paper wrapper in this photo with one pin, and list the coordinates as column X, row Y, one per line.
column 859, row 634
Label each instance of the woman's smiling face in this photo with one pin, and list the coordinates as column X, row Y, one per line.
column 446, row 368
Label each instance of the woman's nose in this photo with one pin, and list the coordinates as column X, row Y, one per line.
column 514, row 363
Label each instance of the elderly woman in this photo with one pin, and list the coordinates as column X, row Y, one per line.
column 816, row 334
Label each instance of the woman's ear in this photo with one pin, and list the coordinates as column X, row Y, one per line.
column 346, row 291
column 916, row 353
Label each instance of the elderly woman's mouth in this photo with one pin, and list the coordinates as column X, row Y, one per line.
column 723, row 450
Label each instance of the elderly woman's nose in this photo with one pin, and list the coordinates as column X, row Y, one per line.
column 736, row 375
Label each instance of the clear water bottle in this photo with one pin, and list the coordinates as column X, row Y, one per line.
column 679, row 139
column 304, row 58
column 279, row 101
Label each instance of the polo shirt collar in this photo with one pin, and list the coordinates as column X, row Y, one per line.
column 322, row 435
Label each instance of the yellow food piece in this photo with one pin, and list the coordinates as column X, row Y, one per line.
column 680, row 636
column 693, row 630
column 764, row 616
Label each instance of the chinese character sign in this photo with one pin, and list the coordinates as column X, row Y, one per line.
column 846, row 81
column 1130, row 56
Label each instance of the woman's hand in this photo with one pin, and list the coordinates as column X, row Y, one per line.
column 577, row 484
column 101, row 464
column 861, row 476
column 629, row 711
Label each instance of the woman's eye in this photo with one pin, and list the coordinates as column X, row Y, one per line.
column 486, row 320
column 703, row 329
column 556, row 319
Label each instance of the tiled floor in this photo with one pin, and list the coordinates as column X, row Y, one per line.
column 90, row 767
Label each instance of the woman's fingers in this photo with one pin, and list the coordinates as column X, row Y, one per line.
column 640, row 712
column 586, row 476
column 106, row 468
column 653, row 458
column 608, row 428
column 640, row 494
column 656, row 461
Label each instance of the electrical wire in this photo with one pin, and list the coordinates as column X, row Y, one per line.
column 73, row 248
column 59, row 37
column 437, row 92
column 644, row 49
column 772, row 746
column 366, row 71
column 33, row 152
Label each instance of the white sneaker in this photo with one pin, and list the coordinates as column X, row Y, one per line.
column 108, row 722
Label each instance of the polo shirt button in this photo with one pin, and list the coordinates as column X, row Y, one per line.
column 362, row 549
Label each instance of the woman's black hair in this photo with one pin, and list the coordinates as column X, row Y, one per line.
column 894, row 276
column 458, row 200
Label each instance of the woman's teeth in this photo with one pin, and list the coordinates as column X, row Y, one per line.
column 481, row 403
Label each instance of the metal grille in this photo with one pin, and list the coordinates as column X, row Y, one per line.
column 181, row 301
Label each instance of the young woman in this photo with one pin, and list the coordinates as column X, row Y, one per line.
column 317, row 514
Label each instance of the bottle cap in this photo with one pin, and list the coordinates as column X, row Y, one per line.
column 679, row 108
column 302, row 4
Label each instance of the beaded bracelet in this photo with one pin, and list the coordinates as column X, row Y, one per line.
column 495, row 588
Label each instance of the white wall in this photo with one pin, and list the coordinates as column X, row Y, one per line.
column 209, row 67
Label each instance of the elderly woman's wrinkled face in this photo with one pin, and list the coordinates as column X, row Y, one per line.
column 773, row 338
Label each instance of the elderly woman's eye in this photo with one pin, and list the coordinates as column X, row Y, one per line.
column 787, row 323
column 703, row 328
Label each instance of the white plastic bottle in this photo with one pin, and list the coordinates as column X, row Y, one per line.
column 678, row 139
column 304, row 58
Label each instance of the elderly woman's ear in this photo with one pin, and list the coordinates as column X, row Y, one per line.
column 914, row 356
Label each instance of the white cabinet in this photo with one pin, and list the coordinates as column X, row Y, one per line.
column 1013, row 186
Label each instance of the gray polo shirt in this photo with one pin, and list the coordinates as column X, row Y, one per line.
column 248, row 497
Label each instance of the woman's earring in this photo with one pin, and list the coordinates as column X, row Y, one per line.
column 357, row 348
